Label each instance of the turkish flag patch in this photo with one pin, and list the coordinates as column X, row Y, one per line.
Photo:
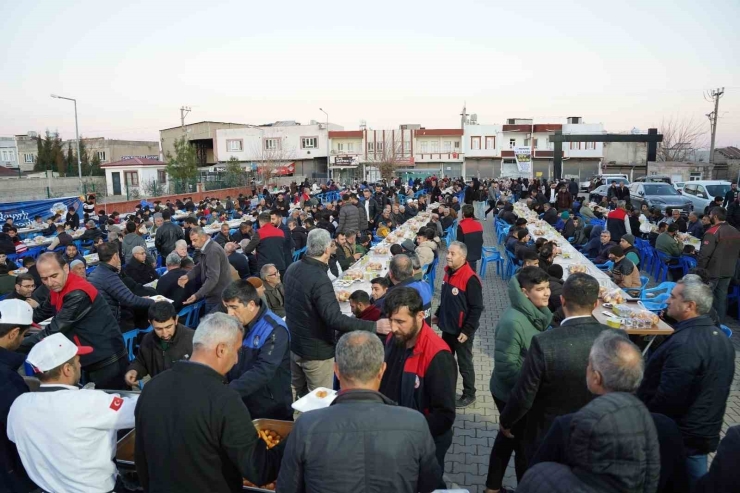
column 116, row 403
column 706, row 242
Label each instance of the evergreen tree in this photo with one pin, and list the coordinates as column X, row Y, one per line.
column 183, row 166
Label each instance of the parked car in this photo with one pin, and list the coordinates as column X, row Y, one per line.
column 605, row 179
column 679, row 186
column 655, row 179
column 598, row 193
column 660, row 196
column 702, row 192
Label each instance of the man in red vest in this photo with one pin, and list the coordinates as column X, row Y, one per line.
column 470, row 233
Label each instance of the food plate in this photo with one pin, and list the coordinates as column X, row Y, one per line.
column 313, row 400
column 18, row 272
column 159, row 297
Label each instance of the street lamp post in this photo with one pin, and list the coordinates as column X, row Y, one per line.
column 77, row 136
column 328, row 152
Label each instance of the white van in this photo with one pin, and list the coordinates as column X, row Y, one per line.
column 605, row 180
column 702, row 192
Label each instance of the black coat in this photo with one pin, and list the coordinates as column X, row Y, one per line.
column 240, row 262
column 312, row 310
column 167, row 286
column 724, row 475
column 194, row 434
column 551, row 216
column 166, row 237
column 688, row 379
column 114, row 291
column 300, row 236
column 553, row 379
column 13, row 477
column 359, row 426
column 142, row 273
column 152, row 359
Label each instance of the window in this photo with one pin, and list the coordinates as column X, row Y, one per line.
column 689, row 189
column 447, row 145
column 490, row 142
column 697, row 176
column 162, row 177
column 475, row 143
column 535, row 144
column 350, row 146
column 435, row 146
column 29, row 158
column 590, row 146
column 309, row 142
column 457, row 145
column 340, row 147
column 272, row 144
column 575, row 145
column 424, row 147
column 234, row 145
column 8, row 155
column 132, row 178
column 103, row 158
column 512, row 143
column 370, row 146
column 406, row 146
column 379, row 146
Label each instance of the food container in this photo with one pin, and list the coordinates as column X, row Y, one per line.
column 614, row 323
column 318, row 398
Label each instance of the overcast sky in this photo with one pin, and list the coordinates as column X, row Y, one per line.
column 132, row 64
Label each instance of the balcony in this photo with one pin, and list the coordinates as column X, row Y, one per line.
column 432, row 157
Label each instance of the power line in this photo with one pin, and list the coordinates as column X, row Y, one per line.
column 714, row 96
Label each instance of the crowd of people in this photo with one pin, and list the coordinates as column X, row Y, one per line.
column 580, row 407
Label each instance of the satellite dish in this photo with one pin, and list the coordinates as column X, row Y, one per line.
column 635, row 131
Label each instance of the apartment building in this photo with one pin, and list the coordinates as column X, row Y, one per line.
column 202, row 135
column 8, row 152
column 27, row 150
column 112, row 150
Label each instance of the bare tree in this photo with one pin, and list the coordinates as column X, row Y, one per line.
column 389, row 153
column 272, row 153
column 681, row 139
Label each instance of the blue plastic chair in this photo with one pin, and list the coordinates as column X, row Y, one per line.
column 299, row 253
column 161, row 271
column 643, row 284
column 431, row 274
column 605, row 266
column 190, row 315
column 662, row 288
column 664, row 266
column 653, row 306
column 490, row 254
column 129, row 339
column 687, row 263
column 727, row 331
column 512, row 266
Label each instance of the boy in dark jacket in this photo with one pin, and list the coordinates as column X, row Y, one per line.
column 169, row 341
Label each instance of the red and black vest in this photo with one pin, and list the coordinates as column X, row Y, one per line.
column 454, row 307
column 470, row 232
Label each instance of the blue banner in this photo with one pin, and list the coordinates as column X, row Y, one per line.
column 24, row 212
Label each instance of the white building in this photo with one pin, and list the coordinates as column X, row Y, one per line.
column 277, row 145
column 134, row 177
column 8, row 152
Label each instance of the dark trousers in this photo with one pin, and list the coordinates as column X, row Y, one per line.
column 719, row 290
column 501, row 452
column 110, row 377
column 442, row 444
column 464, row 353
column 473, row 265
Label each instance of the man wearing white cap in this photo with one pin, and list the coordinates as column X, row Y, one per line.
column 66, row 436
column 16, row 316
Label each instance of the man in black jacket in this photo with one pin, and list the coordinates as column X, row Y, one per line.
column 91, row 233
column 167, row 285
column 262, row 374
column 313, row 315
column 244, row 233
column 212, row 272
column 81, row 313
column 724, row 475
column 551, row 382
column 371, row 207
column 551, row 214
column 138, row 268
column 731, row 195
column 192, row 396
column 719, row 252
column 298, row 233
column 688, row 378
column 167, row 235
column 169, row 341
column 223, row 237
column 616, row 365
column 271, row 243
column 420, row 372
column 319, row 441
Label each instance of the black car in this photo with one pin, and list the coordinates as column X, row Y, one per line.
column 659, row 196
column 599, row 193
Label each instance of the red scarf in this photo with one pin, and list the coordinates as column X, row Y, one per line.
column 74, row 283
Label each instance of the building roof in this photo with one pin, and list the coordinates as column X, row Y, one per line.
column 345, row 134
column 730, row 152
column 422, row 132
column 134, row 161
column 206, row 121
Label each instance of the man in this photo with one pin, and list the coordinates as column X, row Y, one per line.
column 16, row 318
column 138, row 269
column 551, row 381
column 106, row 279
column 688, row 377
column 77, row 267
column 398, row 217
column 346, row 255
column 71, row 254
column 80, row 313
column 627, row 243
column 381, row 199
column 274, row 290
column 613, row 447
column 91, row 233
column 694, row 227
column 319, row 440
column 262, row 374
column 66, row 436
column 362, row 308
column 270, row 244
column 168, row 342
column 458, row 315
column 618, row 221
column 522, row 243
column 313, row 315
column 470, row 233
column 371, row 208
column 167, row 235
column 223, row 237
column 573, row 188
column 349, row 216
column 420, row 372
column 213, row 272
column 72, row 219
column 134, row 238
column 168, row 285
column 717, row 202
column 551, row 214
column 720, row 247
column 606, row 245
column 624, row 273
column 569, row 225
column 244, row 233
column 23, row 289
column 192, row 396
column 724, row 474
column 679, row 221
column 731, row 195
column 298, row 233
column 401, row 274
column 238, row 260
column 378, row 287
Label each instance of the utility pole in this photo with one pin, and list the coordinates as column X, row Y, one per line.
column 184, row 110
column 714, row 96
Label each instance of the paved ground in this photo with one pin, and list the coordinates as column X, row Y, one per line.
column 476, row 427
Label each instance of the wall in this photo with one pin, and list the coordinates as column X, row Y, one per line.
column 18, row 189
column 481, row 131
column 128, row 206
column 115, row 150
column 622, row 153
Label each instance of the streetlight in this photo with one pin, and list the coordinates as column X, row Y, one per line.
column 77, row 135
column 327, row 140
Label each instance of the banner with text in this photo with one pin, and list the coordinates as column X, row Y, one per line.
column 24, row 212
column 523, row 159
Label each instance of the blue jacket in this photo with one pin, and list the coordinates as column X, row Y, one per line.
column 114, row 291
column 262, row 375
column 696, row 230
column 422, row 287
column 13, row 477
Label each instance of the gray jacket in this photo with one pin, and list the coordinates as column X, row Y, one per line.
column 213, row 271
column 276, row 299
column 349, row 219
column 130, row 241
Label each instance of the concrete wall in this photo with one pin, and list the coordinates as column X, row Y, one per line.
column 19, row 189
